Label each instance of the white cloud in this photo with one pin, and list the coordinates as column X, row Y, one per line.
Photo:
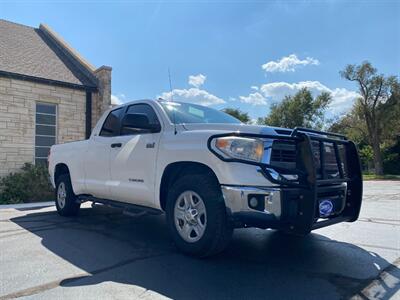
column 288, row 64
column 117, row 99
column 254, row 87
column 277, row 90
column 254, row 99
column 193, row 95
column 197, row 80
column 342, row 99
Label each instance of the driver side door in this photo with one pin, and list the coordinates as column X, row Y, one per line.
column 97, row 156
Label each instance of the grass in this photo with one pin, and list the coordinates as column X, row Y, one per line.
column 380, row 177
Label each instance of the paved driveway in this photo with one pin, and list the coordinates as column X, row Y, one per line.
column 103, row 254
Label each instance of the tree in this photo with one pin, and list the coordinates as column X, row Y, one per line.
column 238, row 114
column 379, row 97
column 352, row 125
column 300, row 110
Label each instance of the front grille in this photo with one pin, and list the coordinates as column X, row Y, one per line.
column 331, row 167
column 283, row 154
column 343, row 159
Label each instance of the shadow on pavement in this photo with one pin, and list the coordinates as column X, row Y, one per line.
column 112, row 247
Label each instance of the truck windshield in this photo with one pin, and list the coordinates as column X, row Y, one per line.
column 179, row 112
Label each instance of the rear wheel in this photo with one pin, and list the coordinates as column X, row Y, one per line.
column 197, row 217
column 66, row 203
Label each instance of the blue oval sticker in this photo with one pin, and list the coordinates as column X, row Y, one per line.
column 325, row 208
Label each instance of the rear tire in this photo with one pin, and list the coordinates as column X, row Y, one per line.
column 199, row 225
column 66, row 202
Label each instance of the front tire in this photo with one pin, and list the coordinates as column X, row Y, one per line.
column 196, row 215
column 66, row 203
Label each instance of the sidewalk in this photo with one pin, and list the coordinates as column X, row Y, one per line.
column 27, row 205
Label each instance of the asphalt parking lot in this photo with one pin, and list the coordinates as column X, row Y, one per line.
column 103, row 254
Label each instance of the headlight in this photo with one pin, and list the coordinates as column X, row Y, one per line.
column 240, row 148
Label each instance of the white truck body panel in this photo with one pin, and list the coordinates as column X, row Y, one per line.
column 133, row 172
column 293, row 180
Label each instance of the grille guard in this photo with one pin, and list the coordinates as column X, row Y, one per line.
column 306, row 170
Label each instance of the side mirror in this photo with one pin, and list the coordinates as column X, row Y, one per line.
column 138, row 123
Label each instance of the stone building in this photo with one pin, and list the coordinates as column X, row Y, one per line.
column 48, row 94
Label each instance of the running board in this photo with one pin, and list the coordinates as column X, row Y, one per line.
column 127, row 208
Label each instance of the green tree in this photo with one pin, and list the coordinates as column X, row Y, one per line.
column 352, row 125
column 366, row 156
column 238, row 114
column 378, row 101
column 300, row 110
column 391, row 157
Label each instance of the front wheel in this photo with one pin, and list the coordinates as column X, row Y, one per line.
column 66, row 203
column 196, row 216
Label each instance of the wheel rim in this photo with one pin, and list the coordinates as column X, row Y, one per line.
column 61, row 195
column 190, row 216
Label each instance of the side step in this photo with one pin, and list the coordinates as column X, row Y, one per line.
column 127, row 208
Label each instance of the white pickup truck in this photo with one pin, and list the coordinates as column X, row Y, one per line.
column 209, row 173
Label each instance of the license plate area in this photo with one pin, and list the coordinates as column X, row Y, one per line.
column 331, row 201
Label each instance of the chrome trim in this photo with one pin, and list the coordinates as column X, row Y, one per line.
column 267, row 150
column 236, row 199
column 268, row 143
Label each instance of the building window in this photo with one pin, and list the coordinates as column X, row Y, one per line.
column 45, row 131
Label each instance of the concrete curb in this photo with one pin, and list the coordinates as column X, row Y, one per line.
column 27, row 205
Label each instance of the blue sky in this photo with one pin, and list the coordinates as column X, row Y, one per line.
column 242, row 54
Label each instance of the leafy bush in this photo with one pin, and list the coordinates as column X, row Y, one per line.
column 31, row 184
column 366, row 157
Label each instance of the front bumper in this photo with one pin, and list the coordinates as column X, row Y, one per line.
column 289, row 209
column 312, row 197
column 238, row 204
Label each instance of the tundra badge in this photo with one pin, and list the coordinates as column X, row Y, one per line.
column 150, row 145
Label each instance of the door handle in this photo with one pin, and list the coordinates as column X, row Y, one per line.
column 116, row 145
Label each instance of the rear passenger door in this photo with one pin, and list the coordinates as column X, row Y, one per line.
column 97, row 157
column 133, row 163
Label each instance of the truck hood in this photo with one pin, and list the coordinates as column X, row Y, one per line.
column 243, row 128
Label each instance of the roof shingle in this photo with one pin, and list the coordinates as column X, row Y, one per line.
column 29, row 51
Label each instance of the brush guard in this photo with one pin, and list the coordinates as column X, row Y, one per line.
column 301, row 197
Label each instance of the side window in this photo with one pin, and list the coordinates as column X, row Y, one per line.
column 112, row 123
column 144, row 109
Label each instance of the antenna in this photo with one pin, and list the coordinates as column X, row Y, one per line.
column 170, row 83
column 173, row 108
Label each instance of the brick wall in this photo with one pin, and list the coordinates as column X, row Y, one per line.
column 17, row 119
column 102, row 99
